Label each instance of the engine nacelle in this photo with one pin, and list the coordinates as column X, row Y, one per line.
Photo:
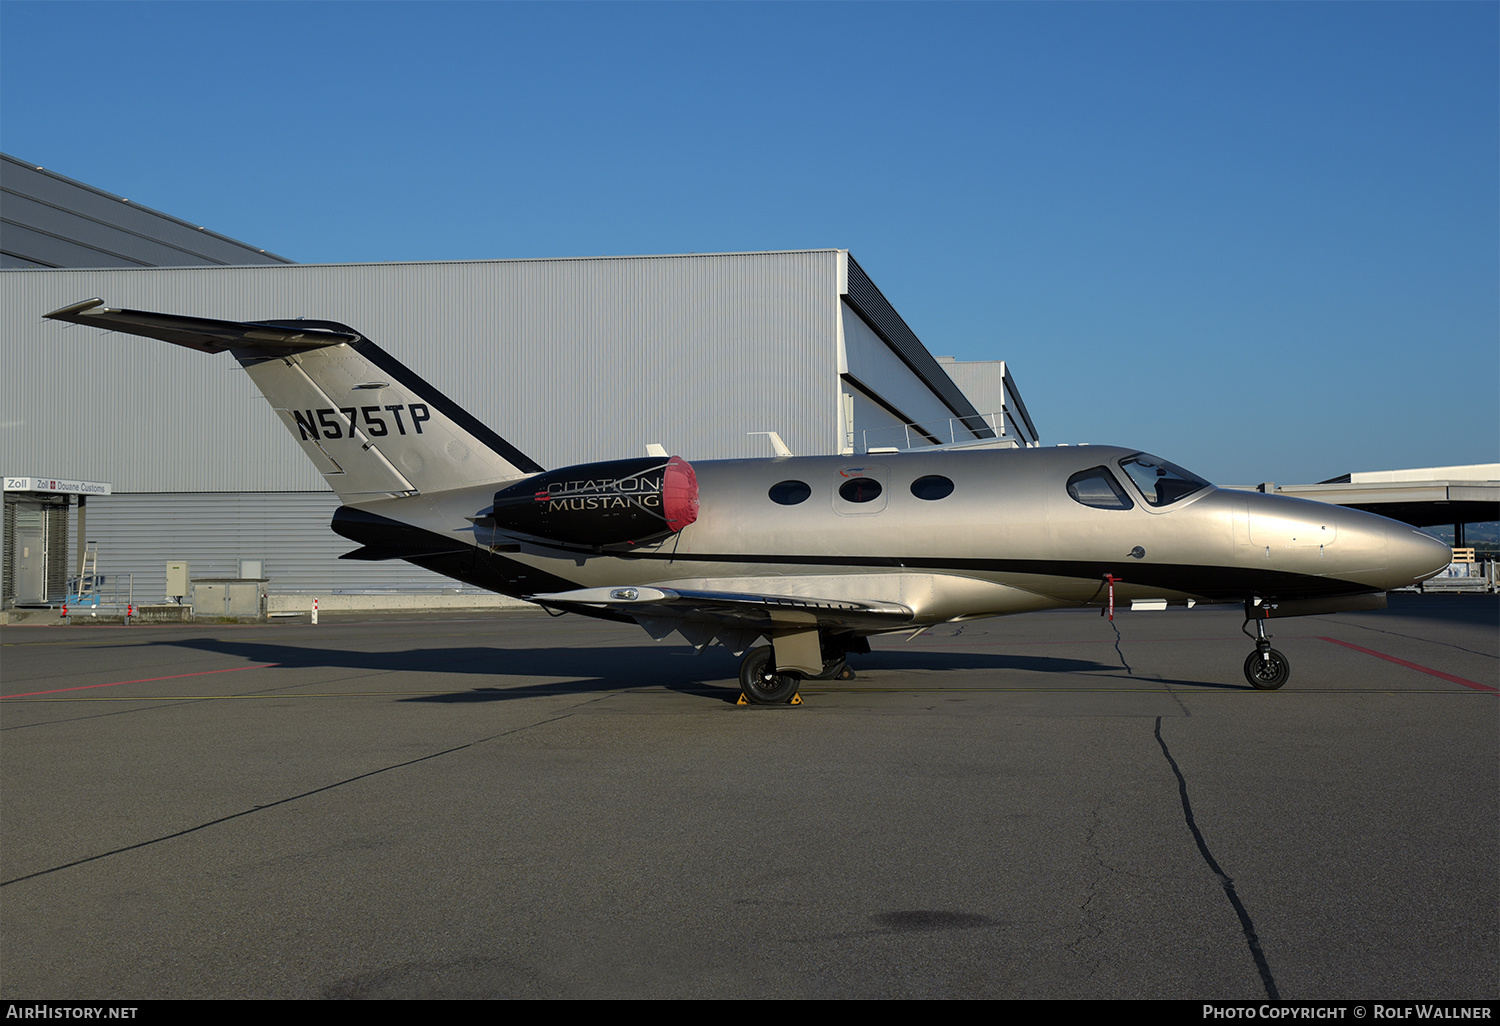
column 618, row 502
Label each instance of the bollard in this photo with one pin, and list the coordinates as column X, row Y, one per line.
column 65, row 619
column 315, row 611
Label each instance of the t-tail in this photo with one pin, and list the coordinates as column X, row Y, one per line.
column 370, row 425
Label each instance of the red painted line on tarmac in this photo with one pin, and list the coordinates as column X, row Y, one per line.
column 143, row 680
column 1415, row 666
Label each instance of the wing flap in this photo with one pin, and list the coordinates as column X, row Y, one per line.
column 734, row 619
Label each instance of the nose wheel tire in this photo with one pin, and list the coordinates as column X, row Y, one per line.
column 1267, row 670
column 762, row 684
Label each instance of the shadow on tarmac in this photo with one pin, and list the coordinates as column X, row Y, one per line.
column 597, row 670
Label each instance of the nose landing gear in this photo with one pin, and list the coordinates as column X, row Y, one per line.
column 1266, row 669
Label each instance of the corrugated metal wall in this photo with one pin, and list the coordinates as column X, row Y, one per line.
column 213, row 531
column 571, row 360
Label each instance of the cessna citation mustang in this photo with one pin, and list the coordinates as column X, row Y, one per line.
column 815, row 554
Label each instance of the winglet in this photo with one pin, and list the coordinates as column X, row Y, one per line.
column 76, row 308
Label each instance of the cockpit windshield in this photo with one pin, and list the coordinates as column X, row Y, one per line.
column 1160, row 482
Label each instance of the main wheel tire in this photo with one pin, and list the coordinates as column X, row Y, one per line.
column 1269, row 671
column 760, row 682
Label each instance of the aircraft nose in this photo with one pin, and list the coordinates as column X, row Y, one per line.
column 1415, row 555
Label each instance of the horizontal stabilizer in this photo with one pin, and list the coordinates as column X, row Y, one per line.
column 201, row 333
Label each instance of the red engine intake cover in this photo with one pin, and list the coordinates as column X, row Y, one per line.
column 679, row 494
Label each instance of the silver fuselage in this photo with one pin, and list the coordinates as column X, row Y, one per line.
column 1008, row 539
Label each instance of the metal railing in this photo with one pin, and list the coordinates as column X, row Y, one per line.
column 954, row 431
column 100, row 591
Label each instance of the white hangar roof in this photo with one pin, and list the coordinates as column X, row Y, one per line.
column 51, row 220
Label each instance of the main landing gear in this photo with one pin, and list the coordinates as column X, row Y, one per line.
column 762, row 684
column 1265, row 668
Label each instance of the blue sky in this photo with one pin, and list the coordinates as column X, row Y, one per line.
column 1261, row 240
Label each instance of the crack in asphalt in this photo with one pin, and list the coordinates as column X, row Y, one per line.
column 1075, row 946
column 1252, row 939
column 1116, row 628
column 291, row 798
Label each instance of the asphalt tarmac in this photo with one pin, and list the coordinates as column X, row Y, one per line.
column 521, row 806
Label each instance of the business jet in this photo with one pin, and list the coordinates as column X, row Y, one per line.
column 813, row 554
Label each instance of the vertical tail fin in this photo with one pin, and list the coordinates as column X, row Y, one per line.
column 370, row 425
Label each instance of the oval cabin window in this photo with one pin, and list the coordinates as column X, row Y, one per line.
column 789, row 493
column 932, row 487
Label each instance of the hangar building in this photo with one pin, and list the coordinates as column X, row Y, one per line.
column 570, row 360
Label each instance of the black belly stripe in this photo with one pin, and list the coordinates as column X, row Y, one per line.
column 1210, row 582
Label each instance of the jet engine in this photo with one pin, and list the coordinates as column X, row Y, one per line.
column 618, row 502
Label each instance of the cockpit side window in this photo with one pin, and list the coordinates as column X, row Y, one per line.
column 1160, row 482
column 1098, row 488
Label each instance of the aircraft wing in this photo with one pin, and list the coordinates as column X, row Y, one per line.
column 734, row 619
column 201, row 333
